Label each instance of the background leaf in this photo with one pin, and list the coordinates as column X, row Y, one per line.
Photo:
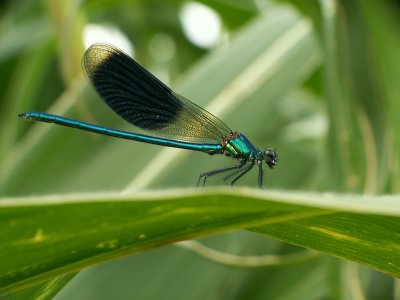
column 317, row 79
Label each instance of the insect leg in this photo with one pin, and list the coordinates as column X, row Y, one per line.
column 235, row 172
column 204, row 176
column 247, row 169
column 260, row 176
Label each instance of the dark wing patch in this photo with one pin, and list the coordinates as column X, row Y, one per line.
column 144, row 101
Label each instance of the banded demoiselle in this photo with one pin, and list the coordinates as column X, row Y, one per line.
column 144, row 101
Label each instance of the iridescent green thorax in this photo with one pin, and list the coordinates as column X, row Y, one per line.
column 238, row 145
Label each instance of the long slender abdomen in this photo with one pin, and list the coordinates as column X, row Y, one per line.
column 49, row 118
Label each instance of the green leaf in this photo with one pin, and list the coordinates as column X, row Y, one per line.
column 65, row 234
column 42, row 291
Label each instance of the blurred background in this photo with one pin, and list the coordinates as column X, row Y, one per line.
column 316, row 79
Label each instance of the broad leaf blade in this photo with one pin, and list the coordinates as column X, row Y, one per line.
column 65, row 235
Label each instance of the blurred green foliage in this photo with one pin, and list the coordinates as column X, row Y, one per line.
column 318, row 79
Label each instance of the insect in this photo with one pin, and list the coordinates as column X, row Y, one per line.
column 140, row 98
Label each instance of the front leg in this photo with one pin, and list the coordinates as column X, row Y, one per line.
column 260, row 175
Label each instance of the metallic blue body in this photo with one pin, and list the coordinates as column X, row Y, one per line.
column 43, row 117
column 240, row 147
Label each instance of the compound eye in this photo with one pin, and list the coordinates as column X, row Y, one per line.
column 270, row 157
